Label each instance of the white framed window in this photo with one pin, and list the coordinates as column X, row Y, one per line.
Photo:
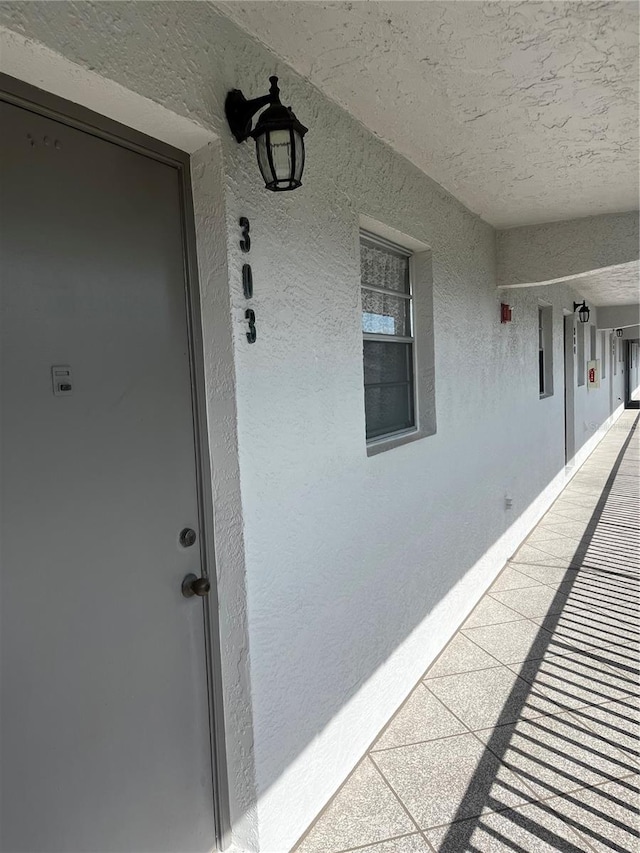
column 397, row 333
column 545, row 350
column 388, row 340
column 603, row 348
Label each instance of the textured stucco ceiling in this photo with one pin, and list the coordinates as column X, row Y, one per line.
column 526, row 111
column 616, row 286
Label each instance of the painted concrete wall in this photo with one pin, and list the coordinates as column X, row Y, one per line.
column 631, row 333
column 556, row 250
column 357, row 569
column 618, row 316
column 594, row 405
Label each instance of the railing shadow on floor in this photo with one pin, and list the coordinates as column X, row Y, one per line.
column 581, row 659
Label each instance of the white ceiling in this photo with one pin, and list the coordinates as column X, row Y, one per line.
column 615, row 286
column 525, row 111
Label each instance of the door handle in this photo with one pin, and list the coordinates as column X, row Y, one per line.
column 193, row 585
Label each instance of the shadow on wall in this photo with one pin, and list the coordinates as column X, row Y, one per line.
column 594, row 620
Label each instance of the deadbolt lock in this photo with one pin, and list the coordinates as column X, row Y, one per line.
column 187, row 537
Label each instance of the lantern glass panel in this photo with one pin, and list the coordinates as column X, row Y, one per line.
column 280, row 142
column 263, row 157
column 280, row 158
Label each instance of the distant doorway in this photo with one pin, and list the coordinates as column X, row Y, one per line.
column 631, row 401
column 569, row 376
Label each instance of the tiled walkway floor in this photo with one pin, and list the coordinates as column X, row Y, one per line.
column 522, row 736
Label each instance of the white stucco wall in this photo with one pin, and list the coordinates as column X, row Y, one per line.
column 618, row 316
column 357, row 569
column 594, row 405
column 557, row 250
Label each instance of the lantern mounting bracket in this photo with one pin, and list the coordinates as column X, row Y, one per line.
column 278, row 136
column 240, row 111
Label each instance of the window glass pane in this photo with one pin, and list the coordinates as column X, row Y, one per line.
column 383, row 268
column 387, row 362
column 540, row 329
column 388, row 408
column 383, row 314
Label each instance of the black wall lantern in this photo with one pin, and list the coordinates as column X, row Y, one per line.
column 278, row 135
column 619, row 333
column 583, row 311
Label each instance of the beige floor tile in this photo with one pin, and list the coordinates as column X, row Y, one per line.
column 596, row 589
column 534, row 828
column 422, row 717
column 528, row 555
column 461, row 655
column 569, row 512
column 542, row 534
column 486, row 698
column 491, row 612
column 574, row 530
column 617, row 722
column 564, row 548
column 573, row 681
column 551, row 575
column 512, row 642
column 606, row 817
column 406, row 844
column 363, row 812
column 554, row 755
column 574, row 630
column 447, row 779
column 537, row 601
column 512, row 579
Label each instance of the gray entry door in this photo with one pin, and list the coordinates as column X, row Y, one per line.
column 104, row 724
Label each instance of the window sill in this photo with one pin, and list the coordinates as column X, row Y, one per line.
column 545, row 396
column 380, row 445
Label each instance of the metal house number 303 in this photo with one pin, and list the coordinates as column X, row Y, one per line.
column 247, row 279
column 245, row 240
column 250, row 317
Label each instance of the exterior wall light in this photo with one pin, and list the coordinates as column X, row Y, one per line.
column 619, row 333
column 278, row 135
column 583, row 311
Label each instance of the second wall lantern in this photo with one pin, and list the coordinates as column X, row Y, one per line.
column 583, row 311
column 278, row 136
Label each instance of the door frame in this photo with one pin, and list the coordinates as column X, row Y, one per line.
column 36, row 100
column 569, row 340
column 627, row 373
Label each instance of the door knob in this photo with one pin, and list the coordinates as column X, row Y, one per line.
column 193, row 585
